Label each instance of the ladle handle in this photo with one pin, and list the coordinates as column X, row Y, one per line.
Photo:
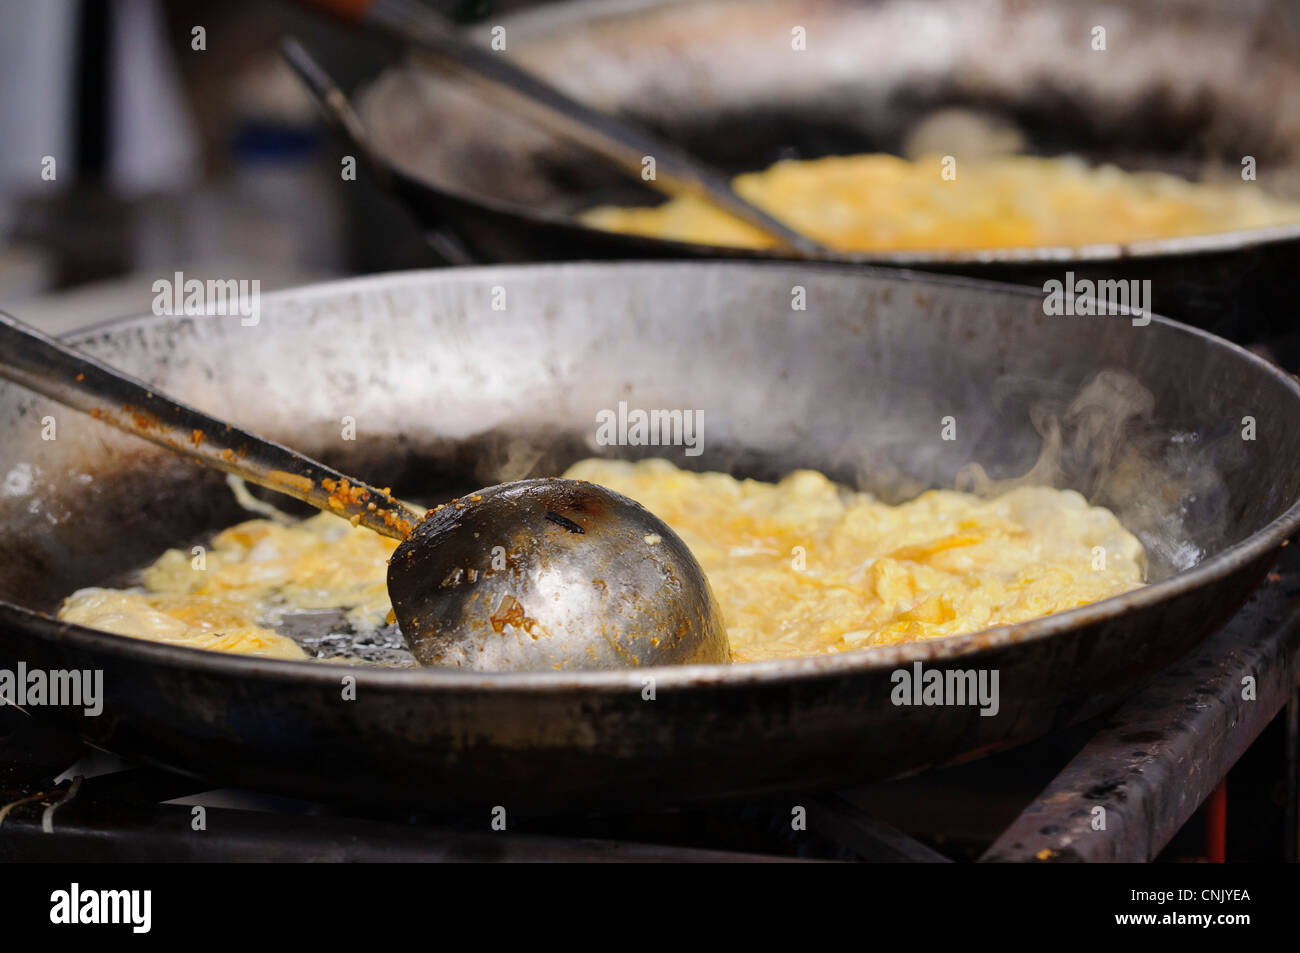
column 41, row 364
column 620, row 143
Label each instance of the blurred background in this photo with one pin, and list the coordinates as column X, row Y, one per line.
column 209, row 160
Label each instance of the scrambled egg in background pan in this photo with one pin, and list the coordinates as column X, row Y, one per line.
column 799, row 567
column 879, row 202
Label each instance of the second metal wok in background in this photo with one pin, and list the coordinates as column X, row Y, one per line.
column 1182, row 85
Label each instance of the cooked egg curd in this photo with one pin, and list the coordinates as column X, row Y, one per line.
column 881, row 202
column 799, row 567
column 804, row 566
column 229, row 598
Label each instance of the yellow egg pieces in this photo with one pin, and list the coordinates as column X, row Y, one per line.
column 800, row 567
column 879, row 202
column 804, row 567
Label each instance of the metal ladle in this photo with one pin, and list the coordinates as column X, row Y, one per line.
column 533, row 575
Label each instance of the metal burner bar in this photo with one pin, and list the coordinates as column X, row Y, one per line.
column 32, row 753
column 872, row 840
column 114, row 831
column 143, row 785
column 1167, row 748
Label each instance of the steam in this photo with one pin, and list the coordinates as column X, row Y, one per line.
column 1166, row 486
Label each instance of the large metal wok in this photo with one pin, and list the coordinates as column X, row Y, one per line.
column 1181, row 86
column 447, row 392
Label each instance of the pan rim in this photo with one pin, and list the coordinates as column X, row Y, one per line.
column 1272, row 536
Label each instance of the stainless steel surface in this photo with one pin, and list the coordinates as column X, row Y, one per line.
column 37, row 362
column 543, row 575
column 857, row 385
column 618, row 142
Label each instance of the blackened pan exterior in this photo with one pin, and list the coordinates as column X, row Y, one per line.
column 281, row 727
column 447, row 392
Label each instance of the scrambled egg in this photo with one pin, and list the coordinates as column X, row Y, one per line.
column 229, row 598
column 799, row 567
column 881, row 202
column 803, row 566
